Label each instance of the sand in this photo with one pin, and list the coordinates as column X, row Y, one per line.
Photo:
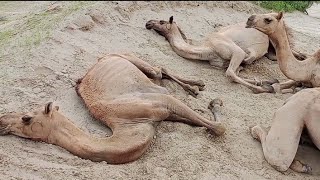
column 36, row 69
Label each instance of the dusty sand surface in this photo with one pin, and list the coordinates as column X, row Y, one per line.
column 40, row 60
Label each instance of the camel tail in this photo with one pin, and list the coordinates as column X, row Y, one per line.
column 178, row 108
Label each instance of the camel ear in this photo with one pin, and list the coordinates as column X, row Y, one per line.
column 48, row 108
column 280, row 15
column 171, row 19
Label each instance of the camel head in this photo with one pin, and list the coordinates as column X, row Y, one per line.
column 164, row 28
column 266, row 23
column 35, row 125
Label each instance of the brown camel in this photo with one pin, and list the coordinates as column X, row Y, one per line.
column 300, row 112
column 117, row 91
column 227, row 48
column 306, row 72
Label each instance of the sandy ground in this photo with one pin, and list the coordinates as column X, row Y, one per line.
column 36, row 69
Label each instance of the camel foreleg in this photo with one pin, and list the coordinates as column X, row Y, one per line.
column 183, row 113
column 235, row 62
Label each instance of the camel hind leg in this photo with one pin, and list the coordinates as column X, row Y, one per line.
column 158, row 73
column 187, row 115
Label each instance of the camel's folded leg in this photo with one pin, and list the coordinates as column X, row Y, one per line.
column 298, row 55
column 261, row 83
column 280, row 144
column 193, row 90
column 183, row 113
column 260, row 134
column 198, row 83
column 237, row 58
column 285, row 87
column 156, row 74
column 146, row 68
column 251, row 56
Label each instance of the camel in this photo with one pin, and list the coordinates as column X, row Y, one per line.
column 228, row 48
column 122, row 91
column 299, row 113
column 306, row 72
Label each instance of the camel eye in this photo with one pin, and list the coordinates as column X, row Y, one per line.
column 161, row 22
column 267, row 20
column 26, row 119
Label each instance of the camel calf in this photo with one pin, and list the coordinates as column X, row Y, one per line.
column 280, row 144
column 117, row 91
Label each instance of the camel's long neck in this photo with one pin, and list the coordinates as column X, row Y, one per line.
column 186, row 50
column 112, row 149
column 289, row 65
column 78, row 142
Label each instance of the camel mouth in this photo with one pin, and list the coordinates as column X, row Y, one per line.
column 4, row 129
column 149, row 24
column 249, row 25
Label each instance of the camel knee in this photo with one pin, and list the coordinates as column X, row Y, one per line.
column 279, row 163
column 230, row 75
column 280, row 167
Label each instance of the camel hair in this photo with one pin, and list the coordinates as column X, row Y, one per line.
column 228, row 48
column 117, row 91
column 305, row 72
column 299, row 114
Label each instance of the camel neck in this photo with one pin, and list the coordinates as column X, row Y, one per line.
column 127, row 143
column 78, row 142
column 186, row 50
column 288, row 64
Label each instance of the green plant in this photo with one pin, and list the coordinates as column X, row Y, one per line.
column 287, row 6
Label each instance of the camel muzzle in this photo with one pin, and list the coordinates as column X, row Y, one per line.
column 250, row 20
column 4, row 128
column 149, row 24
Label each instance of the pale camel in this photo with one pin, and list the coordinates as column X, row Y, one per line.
column 117, row 91
column 227, row 48
column 306, row 72
column 299, row 112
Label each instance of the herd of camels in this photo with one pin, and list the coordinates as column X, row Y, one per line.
column 124, row 92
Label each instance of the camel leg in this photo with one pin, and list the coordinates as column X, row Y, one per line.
column 178, row 109
column 156, row 74
column 298, row 55
column 252, row 56
column 146, row 68
column 198, row 83
column 260, row 134
column 285, row 87
column 183, row 81
column 280, row 144
column 261, row 83
column 235, row 62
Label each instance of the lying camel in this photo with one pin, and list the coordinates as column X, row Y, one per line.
column 300, row 112
column 118, row 92
column 229, row 47
column 306, row 72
